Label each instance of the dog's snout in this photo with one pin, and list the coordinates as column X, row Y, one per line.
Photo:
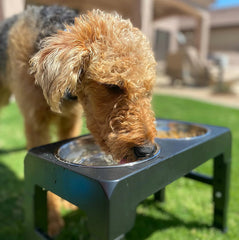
column 145, row 150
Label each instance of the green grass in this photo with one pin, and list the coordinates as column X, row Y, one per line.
column 187, row 212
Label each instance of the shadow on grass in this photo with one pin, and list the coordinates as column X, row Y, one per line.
column 76, row 224
column 147, row 225
column 11, row 205
column 12, row 150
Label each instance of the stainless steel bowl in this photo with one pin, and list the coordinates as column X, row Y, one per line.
column 85, row 152
column 179, row 130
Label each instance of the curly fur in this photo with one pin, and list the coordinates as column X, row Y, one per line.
column 57, row 65
column 108, row 51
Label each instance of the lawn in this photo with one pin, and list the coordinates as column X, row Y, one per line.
column 187, row 212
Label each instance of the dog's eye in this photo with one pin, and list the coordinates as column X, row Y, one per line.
column 68, row 96
column 114, row 88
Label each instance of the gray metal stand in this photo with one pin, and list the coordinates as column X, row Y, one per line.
column 109, row 196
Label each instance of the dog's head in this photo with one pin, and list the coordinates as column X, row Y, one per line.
column 107, row 65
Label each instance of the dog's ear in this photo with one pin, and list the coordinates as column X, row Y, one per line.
column 59, row 66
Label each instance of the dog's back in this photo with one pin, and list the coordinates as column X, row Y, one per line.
column 5, row 26
column 20, row 38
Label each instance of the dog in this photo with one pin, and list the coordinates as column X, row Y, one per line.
column 59, row 64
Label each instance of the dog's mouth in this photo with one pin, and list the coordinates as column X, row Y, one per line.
column 123, row 161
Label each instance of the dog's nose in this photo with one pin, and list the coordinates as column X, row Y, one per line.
column 145, row 150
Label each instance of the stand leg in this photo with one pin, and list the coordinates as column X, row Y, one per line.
column 35, row 212
column 221, row 185
column 40, row 209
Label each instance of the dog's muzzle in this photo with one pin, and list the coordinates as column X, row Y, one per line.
column 145, row 151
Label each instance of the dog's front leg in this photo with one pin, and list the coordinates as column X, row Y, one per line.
column 69, row 126
column 55, row 221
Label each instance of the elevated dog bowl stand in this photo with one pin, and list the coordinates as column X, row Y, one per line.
column 109, row 196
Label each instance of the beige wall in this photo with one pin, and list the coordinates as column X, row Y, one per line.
column 11, row 7
column 225, row 39
column 221, row 39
